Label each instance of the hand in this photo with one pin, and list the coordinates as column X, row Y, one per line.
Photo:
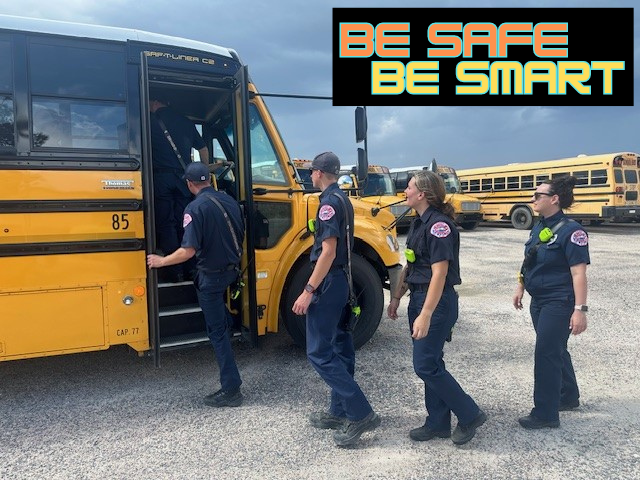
column 578, row 322
column 392, row 309
column 421, row 326
column 301, row 305
column 517, row 297
column 154, row 261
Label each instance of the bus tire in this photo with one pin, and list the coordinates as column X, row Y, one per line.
column 469, row 225
column 368, row 288
column 522, row 218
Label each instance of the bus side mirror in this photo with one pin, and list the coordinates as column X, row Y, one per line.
column 363, row 166
column 345, row 181
column 361, row 124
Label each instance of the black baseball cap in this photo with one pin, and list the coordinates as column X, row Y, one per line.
column 326, row 162
column 197, row 172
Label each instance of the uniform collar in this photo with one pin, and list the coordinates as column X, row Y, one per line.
column 208, row 189
column 553, row 219
column 327, row 191
column 426, row 215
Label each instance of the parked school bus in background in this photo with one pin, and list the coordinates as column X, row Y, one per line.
column 606, row 189
column 377, row 190
column 467, row 210
column 76, row 194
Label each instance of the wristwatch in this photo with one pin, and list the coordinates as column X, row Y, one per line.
column 582, row 308
column 309, row 288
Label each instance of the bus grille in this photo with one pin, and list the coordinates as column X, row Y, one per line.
column 470, row 206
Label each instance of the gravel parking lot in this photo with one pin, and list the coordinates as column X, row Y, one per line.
column 113, row 415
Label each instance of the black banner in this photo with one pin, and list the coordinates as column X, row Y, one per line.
column 483, row 56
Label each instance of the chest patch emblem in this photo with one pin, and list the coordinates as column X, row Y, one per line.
column 326, row 212
column 580, row 238
column 440, row 229
column 186, row 220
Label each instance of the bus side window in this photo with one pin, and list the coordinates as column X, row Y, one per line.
column 582, row 177
column 598, row 177
column 526, row 182
column 7, row 121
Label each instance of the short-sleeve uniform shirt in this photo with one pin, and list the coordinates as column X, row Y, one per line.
column 330, row 222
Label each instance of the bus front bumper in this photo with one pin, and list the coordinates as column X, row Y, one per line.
column 628, row 212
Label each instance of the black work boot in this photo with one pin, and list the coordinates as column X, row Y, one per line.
column 463, row 433
column 222, row 398
column 352, row 431
column 534, row 423
column 327, row 421
column 424, row 433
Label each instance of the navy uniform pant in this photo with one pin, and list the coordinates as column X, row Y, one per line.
column 554, row 377
column 330, row 349
column 171, row 197
column 442, row 393
column 210, row 288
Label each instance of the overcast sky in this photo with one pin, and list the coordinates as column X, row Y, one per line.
column 287, row 46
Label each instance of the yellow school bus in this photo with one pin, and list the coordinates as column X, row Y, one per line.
column 467, row 210
column 378, row 190
column 607, row 188
column 77, row 204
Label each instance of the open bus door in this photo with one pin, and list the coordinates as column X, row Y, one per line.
column 245, row 192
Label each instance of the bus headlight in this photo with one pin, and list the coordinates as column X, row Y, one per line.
column 470, row 206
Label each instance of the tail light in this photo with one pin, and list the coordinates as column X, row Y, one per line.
column 619, row 190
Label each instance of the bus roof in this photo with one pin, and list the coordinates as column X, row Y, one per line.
column 55, row 27
column 560, row 162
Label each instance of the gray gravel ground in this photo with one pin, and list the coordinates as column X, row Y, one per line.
column 113, row 415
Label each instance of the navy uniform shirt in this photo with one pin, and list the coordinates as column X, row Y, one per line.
column 206, row 230
column 550, row 276
column 183, row 133
column 433, row 237
column 330, row 222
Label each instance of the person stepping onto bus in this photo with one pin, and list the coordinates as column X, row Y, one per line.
column 554, row 273
column 172, row 137
column 325, row 301
column 432, row 271
column 215, row 238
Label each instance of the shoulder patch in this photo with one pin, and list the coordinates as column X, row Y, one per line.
column 186, row 220
column 440, row 229
column 326, row 212
column 580, row 238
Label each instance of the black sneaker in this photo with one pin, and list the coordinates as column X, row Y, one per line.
column 221, row 398
column 463, row 433
column 565, row 407
column 327, row 421
column 351, row 431
column 424, row 433
column 533, row 423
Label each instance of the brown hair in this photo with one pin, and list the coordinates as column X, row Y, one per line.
column 563, row 187
column 432, row 186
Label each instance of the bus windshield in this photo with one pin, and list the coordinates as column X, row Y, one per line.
column 379, row 184
column 451, row 182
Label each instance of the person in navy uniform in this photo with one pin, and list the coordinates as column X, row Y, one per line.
column 207, row 235
column 555, row 276
column 325, row 302
column 432, row 271
column 171, row 195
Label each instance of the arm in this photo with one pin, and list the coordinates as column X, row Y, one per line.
column 394, row 303
column 436, row 286
column 519, row 293
column 578, row 323
column 323, row 264
column 181, row 255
